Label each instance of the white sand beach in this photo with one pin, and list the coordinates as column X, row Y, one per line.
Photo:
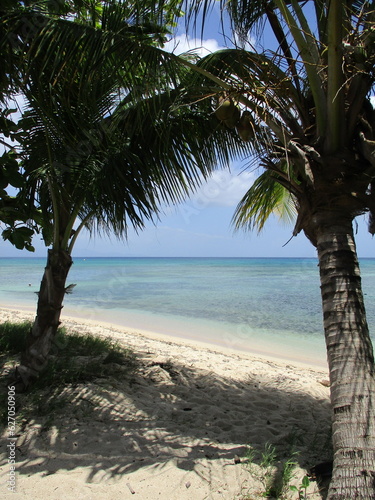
column 178, row 429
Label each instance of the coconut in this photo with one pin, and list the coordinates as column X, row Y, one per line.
column 232, row 121
column 245, row 127
column 225, row 109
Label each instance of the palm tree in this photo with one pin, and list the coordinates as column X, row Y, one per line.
column 107, row 143
column 306, row 107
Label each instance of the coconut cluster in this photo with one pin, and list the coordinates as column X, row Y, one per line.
column 230, row 114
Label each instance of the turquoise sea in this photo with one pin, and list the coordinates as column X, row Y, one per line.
column 251, row 304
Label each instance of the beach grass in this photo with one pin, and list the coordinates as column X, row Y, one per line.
column 13, row 337
column 275, row 474
column 75, row 358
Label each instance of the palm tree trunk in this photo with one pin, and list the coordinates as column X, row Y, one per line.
column 351, row 364
column 42, row 333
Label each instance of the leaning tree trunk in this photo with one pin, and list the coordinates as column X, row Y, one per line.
column 43, row 331
column 351, row 364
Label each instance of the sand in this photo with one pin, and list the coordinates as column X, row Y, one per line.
column 179, row 428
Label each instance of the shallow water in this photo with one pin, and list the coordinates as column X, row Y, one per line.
column 248, row 304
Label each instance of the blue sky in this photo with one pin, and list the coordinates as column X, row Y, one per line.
column 202, row 225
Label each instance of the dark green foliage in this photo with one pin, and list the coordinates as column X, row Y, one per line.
column 76, row 357
column 15, row 212
column 13, row 337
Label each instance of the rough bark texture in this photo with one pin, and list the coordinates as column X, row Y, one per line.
column 42, row 333
column 351, row 363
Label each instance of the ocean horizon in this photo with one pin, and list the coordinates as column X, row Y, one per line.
column 248, row 304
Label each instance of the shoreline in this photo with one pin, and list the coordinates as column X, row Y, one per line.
column 122, row 332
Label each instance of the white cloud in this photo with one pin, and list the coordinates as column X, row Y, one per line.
column 223, row 189
column 248, row 43
column 184, row 43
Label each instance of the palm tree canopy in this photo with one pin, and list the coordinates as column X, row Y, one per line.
column 107, row 138
column 307, row 98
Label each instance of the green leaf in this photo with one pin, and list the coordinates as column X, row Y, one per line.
column 15, row 178
column 20, row 237
column 29, row 248
column 305, row 482
column 47, row 234
column 9, row 159
column 7, row 126
column 3, row 180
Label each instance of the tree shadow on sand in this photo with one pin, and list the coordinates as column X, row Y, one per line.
column 167, row 413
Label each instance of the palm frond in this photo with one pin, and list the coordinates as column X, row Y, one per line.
column 265, row 197
column 258, row 83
